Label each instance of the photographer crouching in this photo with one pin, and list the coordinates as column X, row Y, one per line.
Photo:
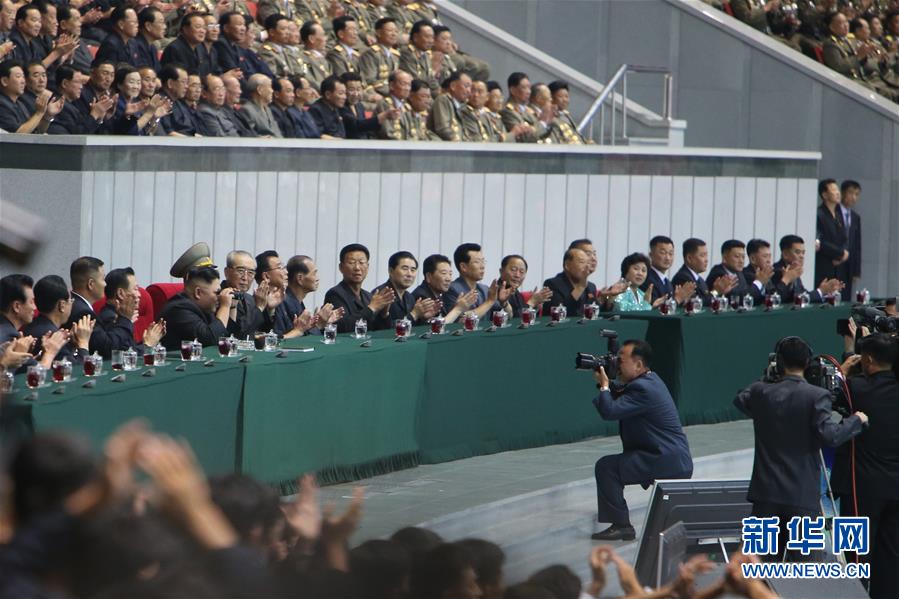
column 866, row 471
column 792, row 420
column 655, row 446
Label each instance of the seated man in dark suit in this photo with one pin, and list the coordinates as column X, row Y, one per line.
column 119, row 46
column 326, row 111
column 358, row 126
column 788, row 272
column 356, row 302
column 71, row 120
column 792, row 421
column 654, row 442
column 867, row 475
column 53, row 300
column 760, row 268
column 513, row 270
column 661, row 257
column 188, row 49
column 733, row 259
column 182, row 122
column 118, row 315
column 696, row 261
column 438, row 276
column 471, row 264
column 248, row 311
column 302, row 279
column 570, row 288
column 402, row 269
column 199, row 312
column 16, row 305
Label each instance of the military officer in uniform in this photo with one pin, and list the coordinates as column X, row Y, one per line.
column 377, row 10
column 441, row 54
column 476, row 125
column 314, row 41
column 399, row 86
column 420, row 100
column 445, row 119
column 840, row 56
column 275, row 52
column 405, row 18
column 416, row 57
column 378, row 62
column 343, row 56
column 359, row 11
column 517, row 112
column 476, row 68
column 564, row 129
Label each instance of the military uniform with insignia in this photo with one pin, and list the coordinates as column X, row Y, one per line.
column 418, row 127
column 474, row 126
column 475, row 68
column 418, row 63
column 399, row 128
column 343, row 60
column 317, row 67
column 512, row 114
column 358, row 11
column 444, row 119
column 404, row 17
column 316, row 10
column 563, row 130
column 375, row 66
column 284, row 61
column 840, row 56
column 292, row 9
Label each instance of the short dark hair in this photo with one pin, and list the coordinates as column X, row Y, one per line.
column 297, row 266
column 381, row 567
column 417, row 540
column 48, row 291
column 187, row 18
column 557, row 85
column 438, row 29
column 660, row 239
column 578, row 244
column 100, row 61
column 755, row 245
column 692, row 245
column 120, row 13
column 788, row 241
column 350, row 76
column 849, row 184
column 515, row 78
column 731, row 244
column 64, row 73
column 271, row 21
column 7, row 66
column 395, row 258
column 417, row 26
column 486, row 558
column 417, row 84
column 201, row 274
column 116, row 279
column 439, row 570
column 794, row 353
column 147, row 15
column 429, row 266
column 34, row 63
column 329, row 84
column 22, row 13
column 856, row 24
column 169, row 72
column 12, row 289
column 123, row 71
column 451, row 78
column 340, row 23
column 640, row 349
column 262, row 262
column 630, row 260
column 65, row 12
column 530, row 590
column 379, row 24
column 492, row 85
column 354, row 247
column 880, row 347
column 463, row 253
column 559, row 580
column 246, row 503
column 83, row 269
column 823, row 184
column 506, row 259
column 307, row 30
column 224, row 20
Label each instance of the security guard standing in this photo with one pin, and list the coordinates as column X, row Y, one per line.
column 866, row 473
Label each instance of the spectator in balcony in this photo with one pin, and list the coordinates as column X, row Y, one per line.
column 256, row 109
column 415, row 58
column 326, row 111
column 420, row 101
column 15, row 117
column 304, row 91
column 194, row 91
column 756, row 14
column 99, row 84
column 26, row 37
column 232, row 107
column 357, row 124
column 134, row 116
column 293, row 121
column 275, row 52
column 840, row 56
column 229, row 53
column 182, row 122
column 151, row 29
column 7, row 21
column 119, row 46
column 344, row 57
column 444, row 119
column 35, row 84
column 188, row 49
column 517, row 111
column 70, row 24
column 494, row 105
column 381, row 59
column 212, row 111
column 149, row 82
column 876, row 64
column 72, row 120
column 850, row 191
column 399, row 87
column 478, row 122
column 563, row 128
column 441, row 52
column 312, row 34
column 355, row 301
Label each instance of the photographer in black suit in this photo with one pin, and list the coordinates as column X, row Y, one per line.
column 866, row 473
column 792, row 421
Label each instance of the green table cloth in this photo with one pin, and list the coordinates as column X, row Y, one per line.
column 489, row 392
column 706, row 358
column 200, row 404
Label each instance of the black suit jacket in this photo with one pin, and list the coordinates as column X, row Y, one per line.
column 182, row 120
column 659, row 287
column 357, row 126
column 797, row 287
column 562, row 288
column 103, row 339
column 341, row 296
column 117, row 50
column 12, row 114
column 702, row 288
column 40, row 326
column 425, row 292
column 145, row 54
column 401, row 306
column 651, row 434
column 791, row 419
column 8, row 331
column 195, row 60
column 71, row 120
column 248, row 320
column 854, row 244
column 831, row 232
column 744, row 285
column 877, row 448
column 327, row 119
column 184, row 320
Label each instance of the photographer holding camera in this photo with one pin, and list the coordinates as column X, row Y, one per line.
column 792, row 420
column 866, row 472
column 654, row 442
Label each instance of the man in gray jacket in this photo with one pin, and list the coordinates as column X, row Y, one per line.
column 212, row 109
column 256, row 109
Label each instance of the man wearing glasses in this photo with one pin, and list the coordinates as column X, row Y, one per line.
column 247, row 313
column 356, row 302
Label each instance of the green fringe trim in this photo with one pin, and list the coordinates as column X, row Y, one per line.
column 342, row 474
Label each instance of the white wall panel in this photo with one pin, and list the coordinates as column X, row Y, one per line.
column 513, row 215
column 164, row 243
column 534, row 217
column 431, row 202
column 226, row 218
column 142, row 237
column 744, row 209
column 659, row 209
column 327, row 246
column 639, row 232
column 806, row 206
column 286, row 216
column 122, row 219
column 703, row 208
column 245, row 229
column 597, row 227
column 616, row 229
column 765, row 210
column 723, row 218
column 681, row 215
column 493, row 216
column 103, row 206
column 576, row 207
column 451, row 213
column 266, row 213
column 554, row 239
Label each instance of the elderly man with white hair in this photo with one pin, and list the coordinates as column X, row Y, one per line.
column 256, row 111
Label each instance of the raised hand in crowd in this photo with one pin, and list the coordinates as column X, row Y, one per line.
column 100, row 107
column 154, row 333
column 50, row 346
column 425, row 309
column 301, row 323
column 382, row 299
column 684, row 292
column 337, row 530
column 792, row 272
column 12, row 358
column 540, row 296
column 829, row 286
column 81, row 331
column 303, row 514
column 6, row 48
column 724, row 285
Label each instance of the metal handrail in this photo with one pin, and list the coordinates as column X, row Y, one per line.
column 620, row 76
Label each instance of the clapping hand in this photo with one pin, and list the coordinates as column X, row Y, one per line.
column 81, row 331
column 304, row 514
column 304, row 321
column 684, row 292
column 154, row 333
column 425, row 309
column 382, row 299
column 467, row 300
column 724, row 285
column 540, row 296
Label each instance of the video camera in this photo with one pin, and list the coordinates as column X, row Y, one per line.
column 875, row 319
column 609, row 361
